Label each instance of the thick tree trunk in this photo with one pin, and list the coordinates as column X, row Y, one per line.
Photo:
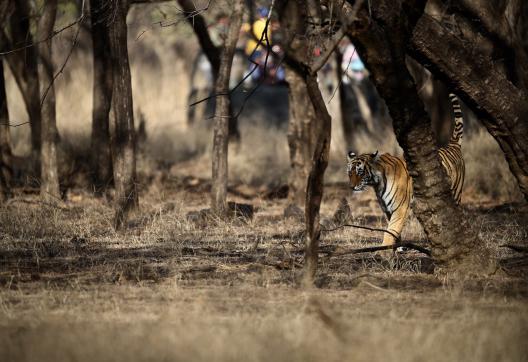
column 24, row 65
column 499, row 21
column 100, row 152
column 223, row 114
column 483, row 86
column 381, row 37
column 123, row 143
column 49, row 186
column 301, row 137
column 5, row 142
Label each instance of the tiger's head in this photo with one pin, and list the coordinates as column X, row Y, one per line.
column 359, row 169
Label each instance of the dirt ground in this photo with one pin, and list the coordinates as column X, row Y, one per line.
column 173, row 289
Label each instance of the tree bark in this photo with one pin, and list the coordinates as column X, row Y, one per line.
column 5, row 142
column 223, row 114
column 301, row 137
column 49, row 187
column 484, row 87
column 123, row 142
column 381, row 36
column 24, row 65
column 100, row 150
column 499, row 21
column 315, row 186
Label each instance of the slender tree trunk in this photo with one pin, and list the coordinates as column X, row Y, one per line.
column 100, row 153
column 5, row 142
column 314, row 189
column 213, row 54
column 301, row 137
column 49, row 187
column 381, row 42
column 293, row 16
column 24, row 66
column 123, row 144
column 223, row 114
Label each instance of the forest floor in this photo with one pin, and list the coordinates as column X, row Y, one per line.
column 170, row 288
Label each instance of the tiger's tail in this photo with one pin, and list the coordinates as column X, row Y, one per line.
column 458, row 130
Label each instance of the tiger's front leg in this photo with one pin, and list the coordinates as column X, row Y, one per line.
column 396, row 222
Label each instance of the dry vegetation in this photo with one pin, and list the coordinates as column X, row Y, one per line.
column 169, row 289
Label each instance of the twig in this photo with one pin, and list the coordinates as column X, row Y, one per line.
column 398, row 239
column 518, row 248
column 341, row 78
column 263, row 37
column 374, row 286
column 394, row 246
column 175, row 21
column 14, row 125
column 36, row 202
column 371, row 249
column 74, row 43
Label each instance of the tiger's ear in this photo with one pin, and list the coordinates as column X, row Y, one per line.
column 351, row 155
column 375, row 156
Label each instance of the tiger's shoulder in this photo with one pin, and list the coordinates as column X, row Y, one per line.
column 394, row 161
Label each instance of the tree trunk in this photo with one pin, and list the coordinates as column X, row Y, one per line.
column 223, row 114
column 24, row 65
column 123, row 143
column 49, row 186
column 381, row 37
column 5, row 142
column 314, row 189
column 499, row 21
column 482, row 85
column 213, row 54
column 293, row 16
column 100, row 152
column 301, row 137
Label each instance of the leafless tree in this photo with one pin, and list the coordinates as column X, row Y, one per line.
column 222, row 112
column 293, row 17
column 22, row 60
column 213, row 53
column 5, row 134
column 100, row 152
column 5, row 141
column 123, row 144
column 49, row 188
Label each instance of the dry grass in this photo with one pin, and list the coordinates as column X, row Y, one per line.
column 166, row 289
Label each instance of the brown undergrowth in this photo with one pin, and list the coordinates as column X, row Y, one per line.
column 72, row 288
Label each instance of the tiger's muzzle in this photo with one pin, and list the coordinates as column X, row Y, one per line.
column 357, row 182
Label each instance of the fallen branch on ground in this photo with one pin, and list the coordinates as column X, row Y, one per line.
column 371, row 249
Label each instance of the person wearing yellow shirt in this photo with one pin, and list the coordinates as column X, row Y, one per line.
column 258, row 29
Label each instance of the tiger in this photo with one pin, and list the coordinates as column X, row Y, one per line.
column 389, row 177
